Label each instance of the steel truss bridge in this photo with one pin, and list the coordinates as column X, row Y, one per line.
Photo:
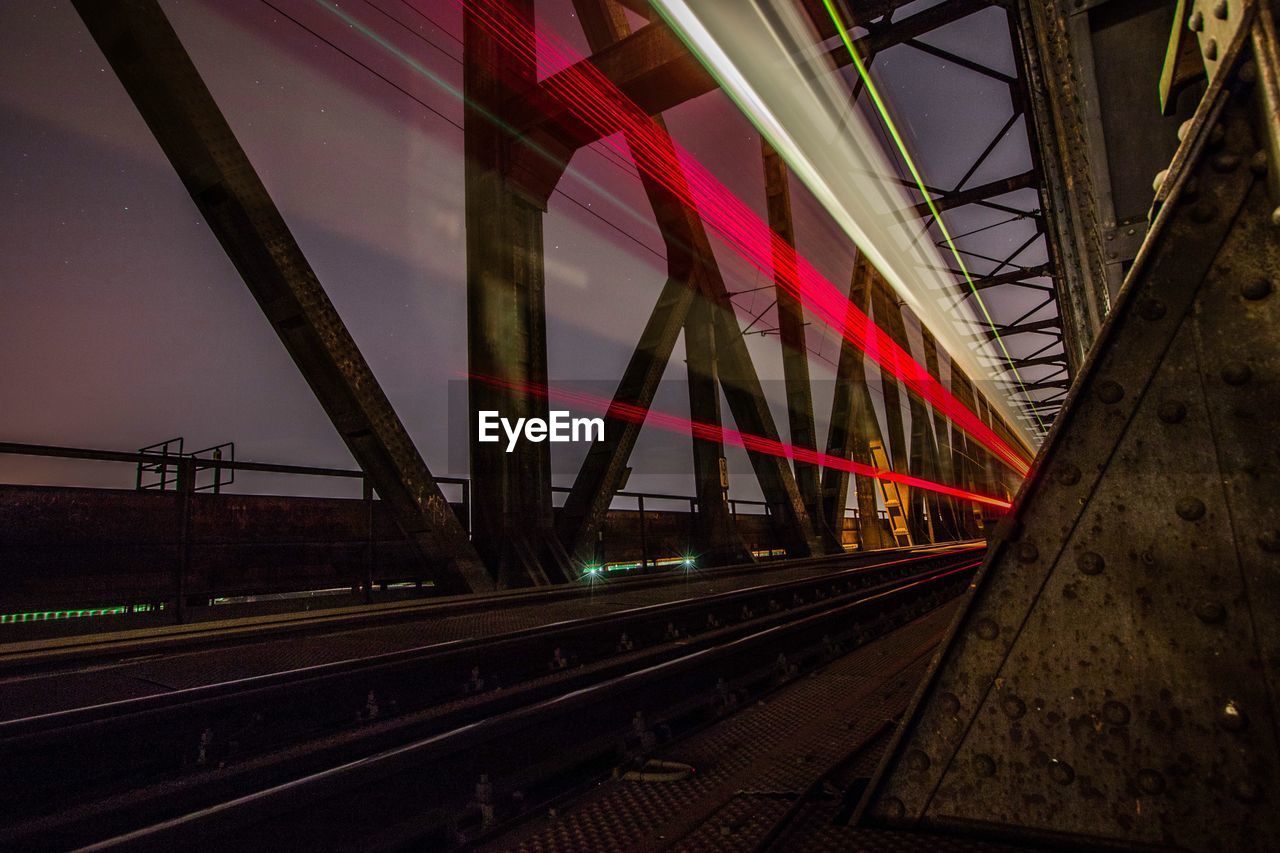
column 1040, row 617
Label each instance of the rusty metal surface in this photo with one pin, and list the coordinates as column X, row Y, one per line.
column 1113, row 680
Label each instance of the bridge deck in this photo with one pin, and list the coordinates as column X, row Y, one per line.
column 147, row 663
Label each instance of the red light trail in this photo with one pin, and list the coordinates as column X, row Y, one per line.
column 598, row 103
column 710, row 432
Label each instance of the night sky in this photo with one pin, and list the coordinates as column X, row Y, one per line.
column 123, row 323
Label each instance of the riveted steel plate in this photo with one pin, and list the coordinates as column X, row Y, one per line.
column 1113, row 678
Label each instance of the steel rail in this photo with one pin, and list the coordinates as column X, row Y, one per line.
column 161, row 726
column 434, row 771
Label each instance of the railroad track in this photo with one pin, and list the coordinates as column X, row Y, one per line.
column 405, row 735
column 77, row 651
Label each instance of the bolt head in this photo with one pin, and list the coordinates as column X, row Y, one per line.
column 1190, row 509
column 1061, row 772
column 1210, row 612
column 1258, row 288
column 1171, row 411
column 1110, row 392
column 1090, row 563
column 1150, row 781
column 1237, row 373
column 1151, row 309
column 1115, row 713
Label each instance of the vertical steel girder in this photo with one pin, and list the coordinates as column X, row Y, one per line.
column 888, row 316
column 716, row 538
column 512, row 516
column 163, row 83
column 852, row 427
column 1113, row 680
column 691, row 264
column 795, row 355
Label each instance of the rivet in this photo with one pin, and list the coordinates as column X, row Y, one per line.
column 1220, row 10
column 917, row 761
column 1196, row 21
column 1151, row 309
column 1275, row 216
column 1210, row 612
column 1090, row 563
column 1246, row 791
column 1258, row 162
column 1190, row 509
column 893, row 808
column 1258, row 288
column 1013, row 707
column 1231, row 718
column 1202, row 213
column 1226, row 163
column 1150, row 781
column 1061, row 772
column 1184, row 129
column 1211, row 50
column 984, row 765
column 1028, row 552
column 988, row 629
column 1269, row 541
column 1248, row 72
column 1110, row 392
column 950, row 703
column 1171, row 412
column 1115, row 713
column 1068, row 475
column 1158, row 181
column 1236, row 373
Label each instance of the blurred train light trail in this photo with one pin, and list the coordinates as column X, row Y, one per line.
column 766, row 56
column 667, row 422
column 598, row 103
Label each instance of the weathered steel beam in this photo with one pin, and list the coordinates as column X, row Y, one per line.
column 512, row 516
column 791, row 336
column 715, row 536
column 853, row 426
column 888, row 316
column 1162, row 465
column 165, row 86
column 982, row 192
column 653, row 68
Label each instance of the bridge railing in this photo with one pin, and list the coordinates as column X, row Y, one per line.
column 177, row 549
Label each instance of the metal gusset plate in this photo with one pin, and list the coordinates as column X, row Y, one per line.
column 1113, row 679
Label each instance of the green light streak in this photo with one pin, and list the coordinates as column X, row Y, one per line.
column 892, row 127
column 50, row 615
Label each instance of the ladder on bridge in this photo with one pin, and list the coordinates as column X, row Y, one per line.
column 894, row 495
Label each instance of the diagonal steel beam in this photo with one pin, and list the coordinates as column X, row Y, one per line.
column 653, row 68
column 852, row 427
column 165, row 86
column 795, row 355
column 691, row 266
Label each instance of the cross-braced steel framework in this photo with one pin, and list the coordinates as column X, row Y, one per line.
column 520, row 134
